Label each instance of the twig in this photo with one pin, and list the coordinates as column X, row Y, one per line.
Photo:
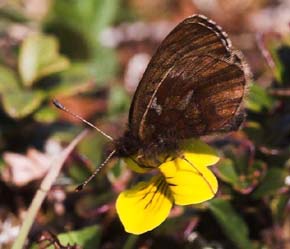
column 41, row 193
column 281, row 92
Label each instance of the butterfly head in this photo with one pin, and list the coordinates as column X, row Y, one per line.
column 146, row 154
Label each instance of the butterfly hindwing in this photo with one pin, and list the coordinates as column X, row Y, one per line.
column 199, row 95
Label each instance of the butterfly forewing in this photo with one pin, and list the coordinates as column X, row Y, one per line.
column 193, row 85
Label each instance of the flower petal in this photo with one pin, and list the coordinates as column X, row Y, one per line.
column 189, row 182
column 145, row 206
column 136, row 167
column 199, row 153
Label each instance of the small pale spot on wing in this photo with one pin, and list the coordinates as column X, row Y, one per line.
column 156, row 107
column 182, row 105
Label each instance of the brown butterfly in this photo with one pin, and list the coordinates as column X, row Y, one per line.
column 194, row 85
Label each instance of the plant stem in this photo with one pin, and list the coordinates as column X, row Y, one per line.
column 41, row 193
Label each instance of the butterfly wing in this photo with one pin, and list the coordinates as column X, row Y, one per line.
column 193, row 85
column 199, row 101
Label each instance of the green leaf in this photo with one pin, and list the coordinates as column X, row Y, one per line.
column 280, row 208
column 254, row 131
column 131, row 241
column 46, row 115
column 78, row 172
column 20, row 104
column 258, row 99
column 279, row 49
column 227, row 171
column 104, row 65
column 88, row 237
column 8, row 80
column 88, row 17
column 3, row 165
column 272, row 182
column 39, row 57
column 282, row 60
column 10, row 13
column 65, row 135
column 239, row 155
column 82, row 22
column 76, row 79
column 116, row 171
column 92, row 146
column 244, row 181
column 118, row 100
column 232, row 224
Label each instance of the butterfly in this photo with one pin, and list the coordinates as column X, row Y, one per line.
column 193, row 86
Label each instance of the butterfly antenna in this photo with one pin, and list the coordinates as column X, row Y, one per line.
column 97, row 170
column 199, row 173
column 60, row 106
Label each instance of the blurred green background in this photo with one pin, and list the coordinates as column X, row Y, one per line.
column 90, row 55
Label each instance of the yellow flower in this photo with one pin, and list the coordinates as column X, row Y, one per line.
column 183, row 181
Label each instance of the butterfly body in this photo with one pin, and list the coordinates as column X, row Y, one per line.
column 194, row 85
